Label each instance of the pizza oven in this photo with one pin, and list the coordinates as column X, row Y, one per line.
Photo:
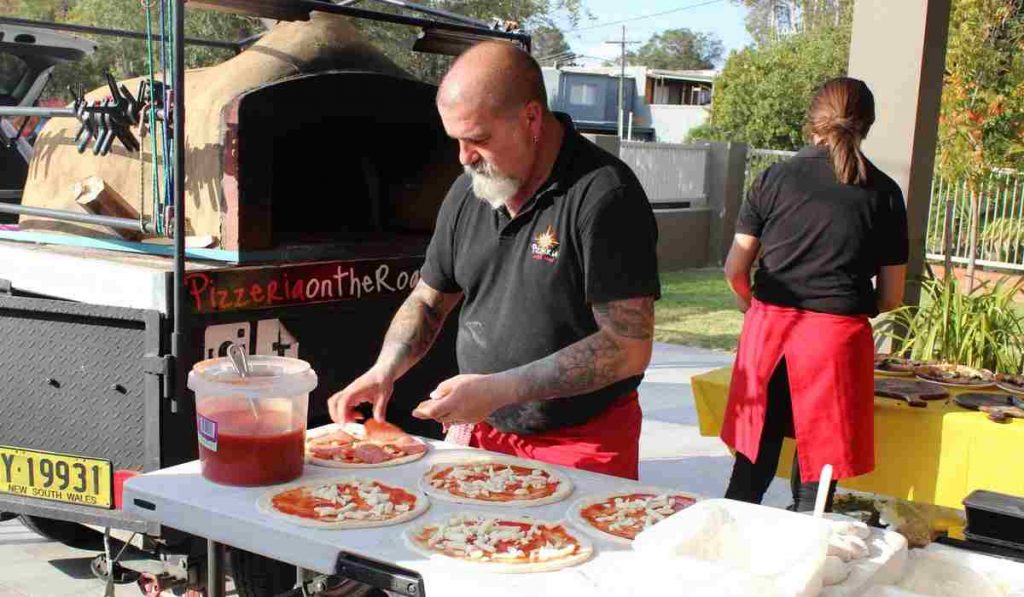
column 304, row 145
column 350, row 158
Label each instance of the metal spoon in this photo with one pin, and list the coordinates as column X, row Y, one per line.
column 240, row 362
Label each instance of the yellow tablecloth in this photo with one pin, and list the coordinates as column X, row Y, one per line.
column 935, row 455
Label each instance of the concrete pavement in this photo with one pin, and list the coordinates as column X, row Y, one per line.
column 672, row 453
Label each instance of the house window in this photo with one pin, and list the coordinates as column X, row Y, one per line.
column 680, row 93
column 583, row 94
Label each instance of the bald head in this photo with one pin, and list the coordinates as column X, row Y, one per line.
column 493, row 75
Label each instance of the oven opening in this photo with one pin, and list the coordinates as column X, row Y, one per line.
column 344, row 157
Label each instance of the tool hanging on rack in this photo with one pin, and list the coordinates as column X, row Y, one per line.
column 102, row 121
column 114, row 117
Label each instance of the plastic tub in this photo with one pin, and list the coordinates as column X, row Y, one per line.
column 781, row 553
column 252, row 430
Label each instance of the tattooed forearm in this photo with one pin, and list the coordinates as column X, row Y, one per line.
column 633, row 318
column 413, row 329
column 588, row 365
column 621, row 348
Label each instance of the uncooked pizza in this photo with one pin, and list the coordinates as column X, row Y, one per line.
column 495, row 482
column 1010, row 383
column 622, row 515
column 896, row 366
column 956, row 375
column 500, row 543
column 347, row 503
column 373, row 444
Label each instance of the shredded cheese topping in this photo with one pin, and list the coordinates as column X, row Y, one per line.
column 497, row 479
column 487, row 539
column 378, row 501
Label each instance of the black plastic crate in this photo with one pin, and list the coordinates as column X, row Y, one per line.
column 995, row 518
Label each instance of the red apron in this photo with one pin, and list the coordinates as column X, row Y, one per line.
column 609, row 443
column 830, row 360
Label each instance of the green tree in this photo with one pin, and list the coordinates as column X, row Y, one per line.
column 678, row 49
column 981, row 126
column 129, row 58
column 771, row 20
column 761, row 96
column 549, row 44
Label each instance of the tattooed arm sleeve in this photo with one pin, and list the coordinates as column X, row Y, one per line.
column 414, row 328
column 621, row 348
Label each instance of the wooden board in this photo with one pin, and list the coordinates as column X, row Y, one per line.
column 976, row 400
column 915, row 393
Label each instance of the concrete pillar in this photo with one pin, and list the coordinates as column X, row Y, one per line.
column 727, row 163
column 899, row 50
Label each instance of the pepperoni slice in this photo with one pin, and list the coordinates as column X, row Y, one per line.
column 370, row 453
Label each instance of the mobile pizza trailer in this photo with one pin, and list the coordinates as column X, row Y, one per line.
column 312, row 169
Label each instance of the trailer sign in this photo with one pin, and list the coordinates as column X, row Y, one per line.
column 261, row 287
column 57, row 477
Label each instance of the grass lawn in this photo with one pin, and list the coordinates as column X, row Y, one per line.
column 697, row 309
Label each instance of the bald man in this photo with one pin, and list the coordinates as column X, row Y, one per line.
column 549, row 242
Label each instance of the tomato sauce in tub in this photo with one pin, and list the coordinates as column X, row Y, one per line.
column 247, row 454
column 252, row 431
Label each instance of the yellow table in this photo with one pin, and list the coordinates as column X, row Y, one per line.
column 935, row 455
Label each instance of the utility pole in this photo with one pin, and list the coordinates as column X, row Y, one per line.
column 622, row 78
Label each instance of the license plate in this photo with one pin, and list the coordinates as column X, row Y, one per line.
column 57, row 477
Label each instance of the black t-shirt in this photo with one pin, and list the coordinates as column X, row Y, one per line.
column 587, row 236
column 823, row 241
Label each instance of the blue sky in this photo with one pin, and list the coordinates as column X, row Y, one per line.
column 721, row 17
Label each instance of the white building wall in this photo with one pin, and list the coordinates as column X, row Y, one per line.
column 673, row 123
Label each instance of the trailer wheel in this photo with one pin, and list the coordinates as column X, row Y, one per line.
column 258, row 576
column 68, row 533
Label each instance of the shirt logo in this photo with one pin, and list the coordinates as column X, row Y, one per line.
column 545, row 246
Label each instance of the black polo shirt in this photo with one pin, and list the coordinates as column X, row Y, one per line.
column 822, row 241
column 587, row 236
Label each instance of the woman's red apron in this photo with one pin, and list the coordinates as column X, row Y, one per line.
column 830, row 360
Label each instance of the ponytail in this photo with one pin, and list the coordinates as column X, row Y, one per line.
column 840, row 116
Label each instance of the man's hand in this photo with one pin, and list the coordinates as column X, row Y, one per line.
column 465, row 399
column 412, row 332
column 372, row 387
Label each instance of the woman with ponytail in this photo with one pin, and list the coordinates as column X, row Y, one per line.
column 821, row 226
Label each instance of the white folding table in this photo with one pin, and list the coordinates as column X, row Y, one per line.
column 178, row 497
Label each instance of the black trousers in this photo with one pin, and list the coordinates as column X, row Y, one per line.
column 750, row 480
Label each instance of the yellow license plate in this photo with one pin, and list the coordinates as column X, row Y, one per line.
column 58, row 477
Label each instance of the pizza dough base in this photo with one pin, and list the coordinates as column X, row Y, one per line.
column 586, row 550
column 359, row 434
column 561, row 492
column 577, row 520
column 264, row 505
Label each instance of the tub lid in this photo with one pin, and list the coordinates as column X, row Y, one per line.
column 272, row 377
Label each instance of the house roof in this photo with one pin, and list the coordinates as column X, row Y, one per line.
column 703, row 76
column 706, row 76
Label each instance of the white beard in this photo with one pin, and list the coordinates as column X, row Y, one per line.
column 492, row 186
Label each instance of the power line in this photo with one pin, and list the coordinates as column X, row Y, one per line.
column 622, row 76
column 656, row 14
